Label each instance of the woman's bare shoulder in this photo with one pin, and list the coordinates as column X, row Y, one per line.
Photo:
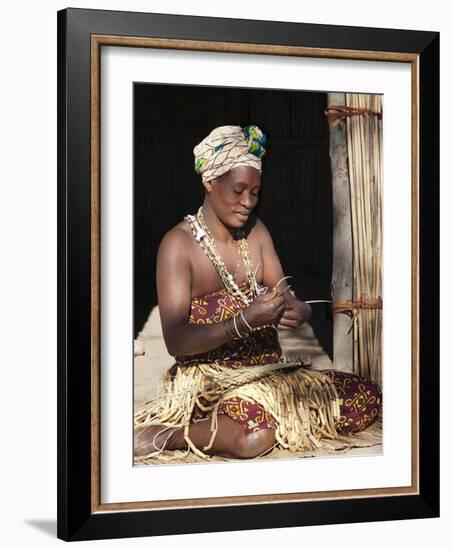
column 177, row 239
column 259, row 225
column 258, row 231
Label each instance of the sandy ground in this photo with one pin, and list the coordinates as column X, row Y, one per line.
column 149, row 367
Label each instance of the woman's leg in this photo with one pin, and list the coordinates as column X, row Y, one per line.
column 360, row 401
column 231, row 439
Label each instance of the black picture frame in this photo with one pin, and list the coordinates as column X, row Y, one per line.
column 80, row 516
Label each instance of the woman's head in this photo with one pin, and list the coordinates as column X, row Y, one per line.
column 234, row 195
column 229, row 161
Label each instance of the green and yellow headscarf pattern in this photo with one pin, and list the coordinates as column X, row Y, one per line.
column 227, row 147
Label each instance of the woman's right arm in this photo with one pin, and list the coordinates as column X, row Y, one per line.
column 174, row 280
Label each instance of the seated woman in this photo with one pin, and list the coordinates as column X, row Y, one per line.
column 230, row 392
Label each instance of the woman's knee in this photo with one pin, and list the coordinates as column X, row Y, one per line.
column 255, row 443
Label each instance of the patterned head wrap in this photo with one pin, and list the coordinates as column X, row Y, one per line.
column 227, row 147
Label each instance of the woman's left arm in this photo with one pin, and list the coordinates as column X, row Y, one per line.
column 296, row 311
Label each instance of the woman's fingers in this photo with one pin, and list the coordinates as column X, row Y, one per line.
column 292, row 315
column 279, row 307
column 278, row 296
column 291, row 318
column 272, row 294
column 283, row 325
column 288, row 323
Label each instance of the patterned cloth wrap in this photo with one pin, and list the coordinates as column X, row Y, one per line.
column 360, row 400
column 227, row 147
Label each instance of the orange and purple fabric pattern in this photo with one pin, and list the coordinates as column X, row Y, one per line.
column 262, row 346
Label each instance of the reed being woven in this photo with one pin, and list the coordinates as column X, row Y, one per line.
column 303, row 402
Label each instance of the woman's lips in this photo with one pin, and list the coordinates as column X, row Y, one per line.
column 242, row 216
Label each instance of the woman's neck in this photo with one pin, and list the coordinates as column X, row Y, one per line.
column 221, row 233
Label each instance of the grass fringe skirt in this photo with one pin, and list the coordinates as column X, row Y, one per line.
column 303, row 402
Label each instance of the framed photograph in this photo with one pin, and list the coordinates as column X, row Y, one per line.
column 248, row 274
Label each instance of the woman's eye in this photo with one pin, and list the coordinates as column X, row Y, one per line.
column 240, row 192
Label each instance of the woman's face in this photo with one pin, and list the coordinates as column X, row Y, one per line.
column 234, row 195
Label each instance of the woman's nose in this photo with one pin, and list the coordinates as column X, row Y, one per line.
column 248, row 202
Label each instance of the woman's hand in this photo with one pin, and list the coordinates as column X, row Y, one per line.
column 265, row 309
column 294, row 314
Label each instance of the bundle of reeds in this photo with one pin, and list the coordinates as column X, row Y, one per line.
column 364, row 136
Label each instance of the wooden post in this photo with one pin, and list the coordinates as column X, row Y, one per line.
column 342, row 269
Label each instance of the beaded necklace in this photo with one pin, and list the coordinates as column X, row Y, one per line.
column 205, row 239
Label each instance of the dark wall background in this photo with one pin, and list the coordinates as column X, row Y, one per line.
column 295, row 201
